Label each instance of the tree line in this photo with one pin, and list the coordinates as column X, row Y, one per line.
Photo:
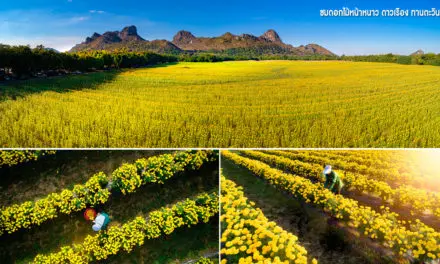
column 23, row 61
column 416, row 59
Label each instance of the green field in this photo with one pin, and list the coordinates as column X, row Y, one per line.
column 229, row 104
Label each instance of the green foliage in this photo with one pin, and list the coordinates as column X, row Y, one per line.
column 404, row 59
column 252, row 53
column 204, row 260
column 24, row 61
column 423, row 59
column 204, row 57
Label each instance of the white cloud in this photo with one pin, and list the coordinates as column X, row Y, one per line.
column 77, row 19
column 96, row 11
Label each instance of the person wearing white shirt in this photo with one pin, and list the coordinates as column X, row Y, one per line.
column 101, row 221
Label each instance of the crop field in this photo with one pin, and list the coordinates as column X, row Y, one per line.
column 275, row 207
column 156, row 200
column 228, row 104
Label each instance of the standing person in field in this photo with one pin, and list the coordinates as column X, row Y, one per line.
column 332, row 180
column 101, row 221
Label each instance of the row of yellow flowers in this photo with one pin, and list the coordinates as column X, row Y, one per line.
column 411, row 239
column 32, row 213
column 9, row 158
column 389, row 156
column 249, row 237
column 405, row 162
column 126, row 179
column 158, row 169
column 418, row 200
column 313, row 170
column 133, row 233
column 370, row 159
column 390, row 174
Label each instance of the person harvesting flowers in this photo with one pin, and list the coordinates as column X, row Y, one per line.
column 101, row 221
column 333, row 181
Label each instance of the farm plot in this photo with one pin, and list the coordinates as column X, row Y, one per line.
column 228, row 104
column 155, row 202
column 370, row 221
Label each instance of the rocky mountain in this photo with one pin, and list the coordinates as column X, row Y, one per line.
column 269, row 43
column 127, row 38
column 418, row 52
column 272, row 36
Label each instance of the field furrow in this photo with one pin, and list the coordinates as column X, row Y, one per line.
column 97, row 190
column 133, row 233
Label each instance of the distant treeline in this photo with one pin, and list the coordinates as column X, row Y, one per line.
column 417, row 59
column 24, row 61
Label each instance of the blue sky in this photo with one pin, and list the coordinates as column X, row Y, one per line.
column 63, row 23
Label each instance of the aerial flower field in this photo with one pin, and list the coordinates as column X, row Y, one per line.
column 154, row 201
column 228, row 104
column 374, row 219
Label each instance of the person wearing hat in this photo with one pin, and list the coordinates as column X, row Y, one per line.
column 101, row 221
column 332, row 180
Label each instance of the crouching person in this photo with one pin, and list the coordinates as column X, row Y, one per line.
column 101, row 221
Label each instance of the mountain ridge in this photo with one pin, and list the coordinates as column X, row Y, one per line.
column 269, row 43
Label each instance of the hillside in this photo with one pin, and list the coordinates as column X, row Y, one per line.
column 269, row 43
column 127, row 38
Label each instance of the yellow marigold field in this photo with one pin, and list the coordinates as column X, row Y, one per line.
column 232, row 104
column 407, row 239
column 249, row 237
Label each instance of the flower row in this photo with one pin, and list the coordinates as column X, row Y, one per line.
column 411, row 239
column 249, row 237
column 370, row 160
column 13, row 157
column 31, row 213
column 390, row 174
column 418, row 200
column 157, row 169
column 127, row 179
column 133, row 233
